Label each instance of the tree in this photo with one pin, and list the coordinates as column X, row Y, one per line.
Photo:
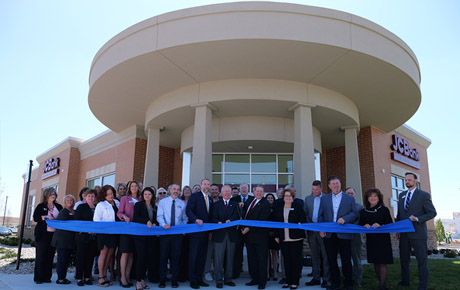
column 439, row 229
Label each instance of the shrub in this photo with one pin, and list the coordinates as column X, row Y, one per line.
column 10, row 241
column 451, row 254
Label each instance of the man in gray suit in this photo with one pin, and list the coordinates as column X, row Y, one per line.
column 356, row 244
column 416, row 205
column 340, row 208
column 318, row 251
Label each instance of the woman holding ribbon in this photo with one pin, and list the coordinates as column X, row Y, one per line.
column 379, row 251
column 291, row 240
column 106, row 210
column 44, row 252
column 64, row 241
column 126, row 213
column 145, row 213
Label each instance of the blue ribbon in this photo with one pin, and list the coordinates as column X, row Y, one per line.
column 142, row 229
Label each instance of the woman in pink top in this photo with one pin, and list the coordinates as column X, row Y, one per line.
column 126, row 213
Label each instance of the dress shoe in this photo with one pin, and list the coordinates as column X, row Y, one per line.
column 230, row 284
column 203, row 284
column 162, row 285
column 402, row 284
column 80, row 283
column 38, row 282
column 310, row 274
column 220, row 285
column 283, row 281
column 208, row 277
column 194, row 286
column 251, row 283
column 313, row 282
column 174, row 284
column 285, row 286
column 261, row 287
column 324, row 284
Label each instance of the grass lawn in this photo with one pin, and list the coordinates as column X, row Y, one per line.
column 444, row 275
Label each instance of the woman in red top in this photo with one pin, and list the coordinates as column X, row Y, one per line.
column 126, row 213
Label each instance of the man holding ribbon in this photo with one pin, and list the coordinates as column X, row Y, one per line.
column 416, row 205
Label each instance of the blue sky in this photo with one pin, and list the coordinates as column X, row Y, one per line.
column 47, row 48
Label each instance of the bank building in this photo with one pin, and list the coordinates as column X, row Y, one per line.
column 250, row 92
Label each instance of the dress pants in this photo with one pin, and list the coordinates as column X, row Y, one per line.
column 184, row 258
column 44, row 255
column 153, row 265
column 86, row 251
column 209, row 257
column 292, row 253
column 318, row 252
column 197, row 257
column 63, row 261
column 257, row 260
column 420, row 248
column 145, row 258
column 224, row 251
column 170, row 247
column 334, row 245
column 356, row 247
column 238, row 259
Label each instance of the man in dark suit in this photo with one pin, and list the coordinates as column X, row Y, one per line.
column 318, row 251
column 416, row 205
column 224, row 211
column 257, row 238
column 241, row 199
column 199, row 210
column 341, row 208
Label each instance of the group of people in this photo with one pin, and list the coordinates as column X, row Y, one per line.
column 192, row 256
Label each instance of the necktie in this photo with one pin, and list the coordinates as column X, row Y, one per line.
column 173, row 213
column 207, row 204
column 244, row 199
column 406, row 204
column 250, row 208
column 226, row 204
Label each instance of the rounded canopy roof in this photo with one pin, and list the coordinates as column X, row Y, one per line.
column 339, row 51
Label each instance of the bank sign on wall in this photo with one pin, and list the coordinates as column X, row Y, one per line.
column 403, row 153
column 51, row 167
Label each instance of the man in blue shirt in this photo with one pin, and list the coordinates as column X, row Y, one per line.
column 171, row 212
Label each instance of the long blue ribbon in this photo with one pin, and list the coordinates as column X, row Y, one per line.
column 142, row 229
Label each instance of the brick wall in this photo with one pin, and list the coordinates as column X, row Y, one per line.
column 366, row 159
column 140, row 151
column 335, row 165
column 323, row 165
column 166, row 163
column 177, row 175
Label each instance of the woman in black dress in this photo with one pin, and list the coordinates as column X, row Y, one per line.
column 273, row 246
column 145, row 213
column 86, row 243
column 64, row 241
column 379, row 251
column 44, row 252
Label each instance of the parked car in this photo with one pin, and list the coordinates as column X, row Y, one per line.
column 4, row 231
column 14, row 229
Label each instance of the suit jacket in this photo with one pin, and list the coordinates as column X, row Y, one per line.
column 40, row 210
column 296, row 215
column 309, row 207
column 220, row 213
column 196, row 209
column 64, row 239
column 237, row 199
column 421, row 207
column 260, row 212
column 347, row 211
column 141, row 214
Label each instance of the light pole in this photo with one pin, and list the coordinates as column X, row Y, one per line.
column 4, row 213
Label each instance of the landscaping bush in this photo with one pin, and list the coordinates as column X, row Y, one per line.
column 450, row 254
column 10, row 241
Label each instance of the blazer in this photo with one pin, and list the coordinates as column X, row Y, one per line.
column 64, row 239
column 83, row 213
column 296, row 215
column 260, row 212
column 309, row 207
column 196, row 209
column 220, row 213
column 237, row 199
column 347, row 211
column 104, row 212
column 141, row 214
column 421, row 207
column 40, row 210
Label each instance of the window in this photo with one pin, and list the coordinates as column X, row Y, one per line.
column 101, row 181
column 270, row 170
column 30, row 211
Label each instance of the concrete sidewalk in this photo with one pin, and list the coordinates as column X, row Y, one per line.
column 25, row 282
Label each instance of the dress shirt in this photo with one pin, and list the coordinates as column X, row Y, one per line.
column 226, row 201
column 255, row 201
column 164, row 211
column 411, row 194
column 207, row 201
column 316, row 203
column 336, row 199
column 243, row 198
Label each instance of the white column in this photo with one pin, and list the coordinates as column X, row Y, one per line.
column 201, row 166
column 352, row 169
column 152, row 157
column 304, row 159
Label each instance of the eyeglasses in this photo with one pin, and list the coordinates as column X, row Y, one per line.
column 162, row 193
